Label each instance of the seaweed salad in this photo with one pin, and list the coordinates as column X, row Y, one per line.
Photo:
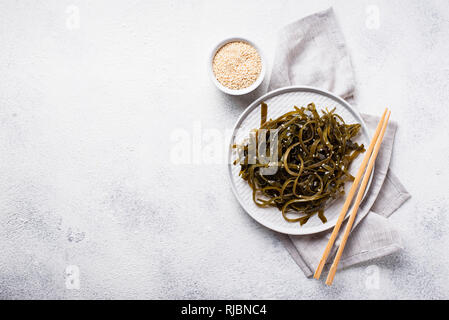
column 312, row 154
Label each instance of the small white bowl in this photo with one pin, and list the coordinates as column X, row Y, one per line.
column 234, row 91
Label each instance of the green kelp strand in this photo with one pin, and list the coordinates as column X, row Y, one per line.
column 314, row 156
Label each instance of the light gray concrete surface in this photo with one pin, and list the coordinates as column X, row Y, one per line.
column 94, row 94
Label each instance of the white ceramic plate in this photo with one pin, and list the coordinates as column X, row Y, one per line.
column 279, row 102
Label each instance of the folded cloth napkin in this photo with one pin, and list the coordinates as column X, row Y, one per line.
column 312, row 52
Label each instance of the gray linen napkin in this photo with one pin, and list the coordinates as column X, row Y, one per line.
column 312, row 52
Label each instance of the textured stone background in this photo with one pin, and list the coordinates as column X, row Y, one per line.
column 89, row 94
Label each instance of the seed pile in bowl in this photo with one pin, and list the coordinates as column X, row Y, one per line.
column 237, row 65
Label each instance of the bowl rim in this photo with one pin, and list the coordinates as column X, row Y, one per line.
column 243, row 91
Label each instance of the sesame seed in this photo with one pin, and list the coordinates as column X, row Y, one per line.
column 237, row 65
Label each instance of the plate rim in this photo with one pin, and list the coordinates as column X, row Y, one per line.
column 256, row 103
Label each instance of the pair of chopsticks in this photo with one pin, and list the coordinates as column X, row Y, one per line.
column 370, row 158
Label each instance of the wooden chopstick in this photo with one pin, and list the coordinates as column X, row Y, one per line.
column 333, row 269
column 348, row 200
